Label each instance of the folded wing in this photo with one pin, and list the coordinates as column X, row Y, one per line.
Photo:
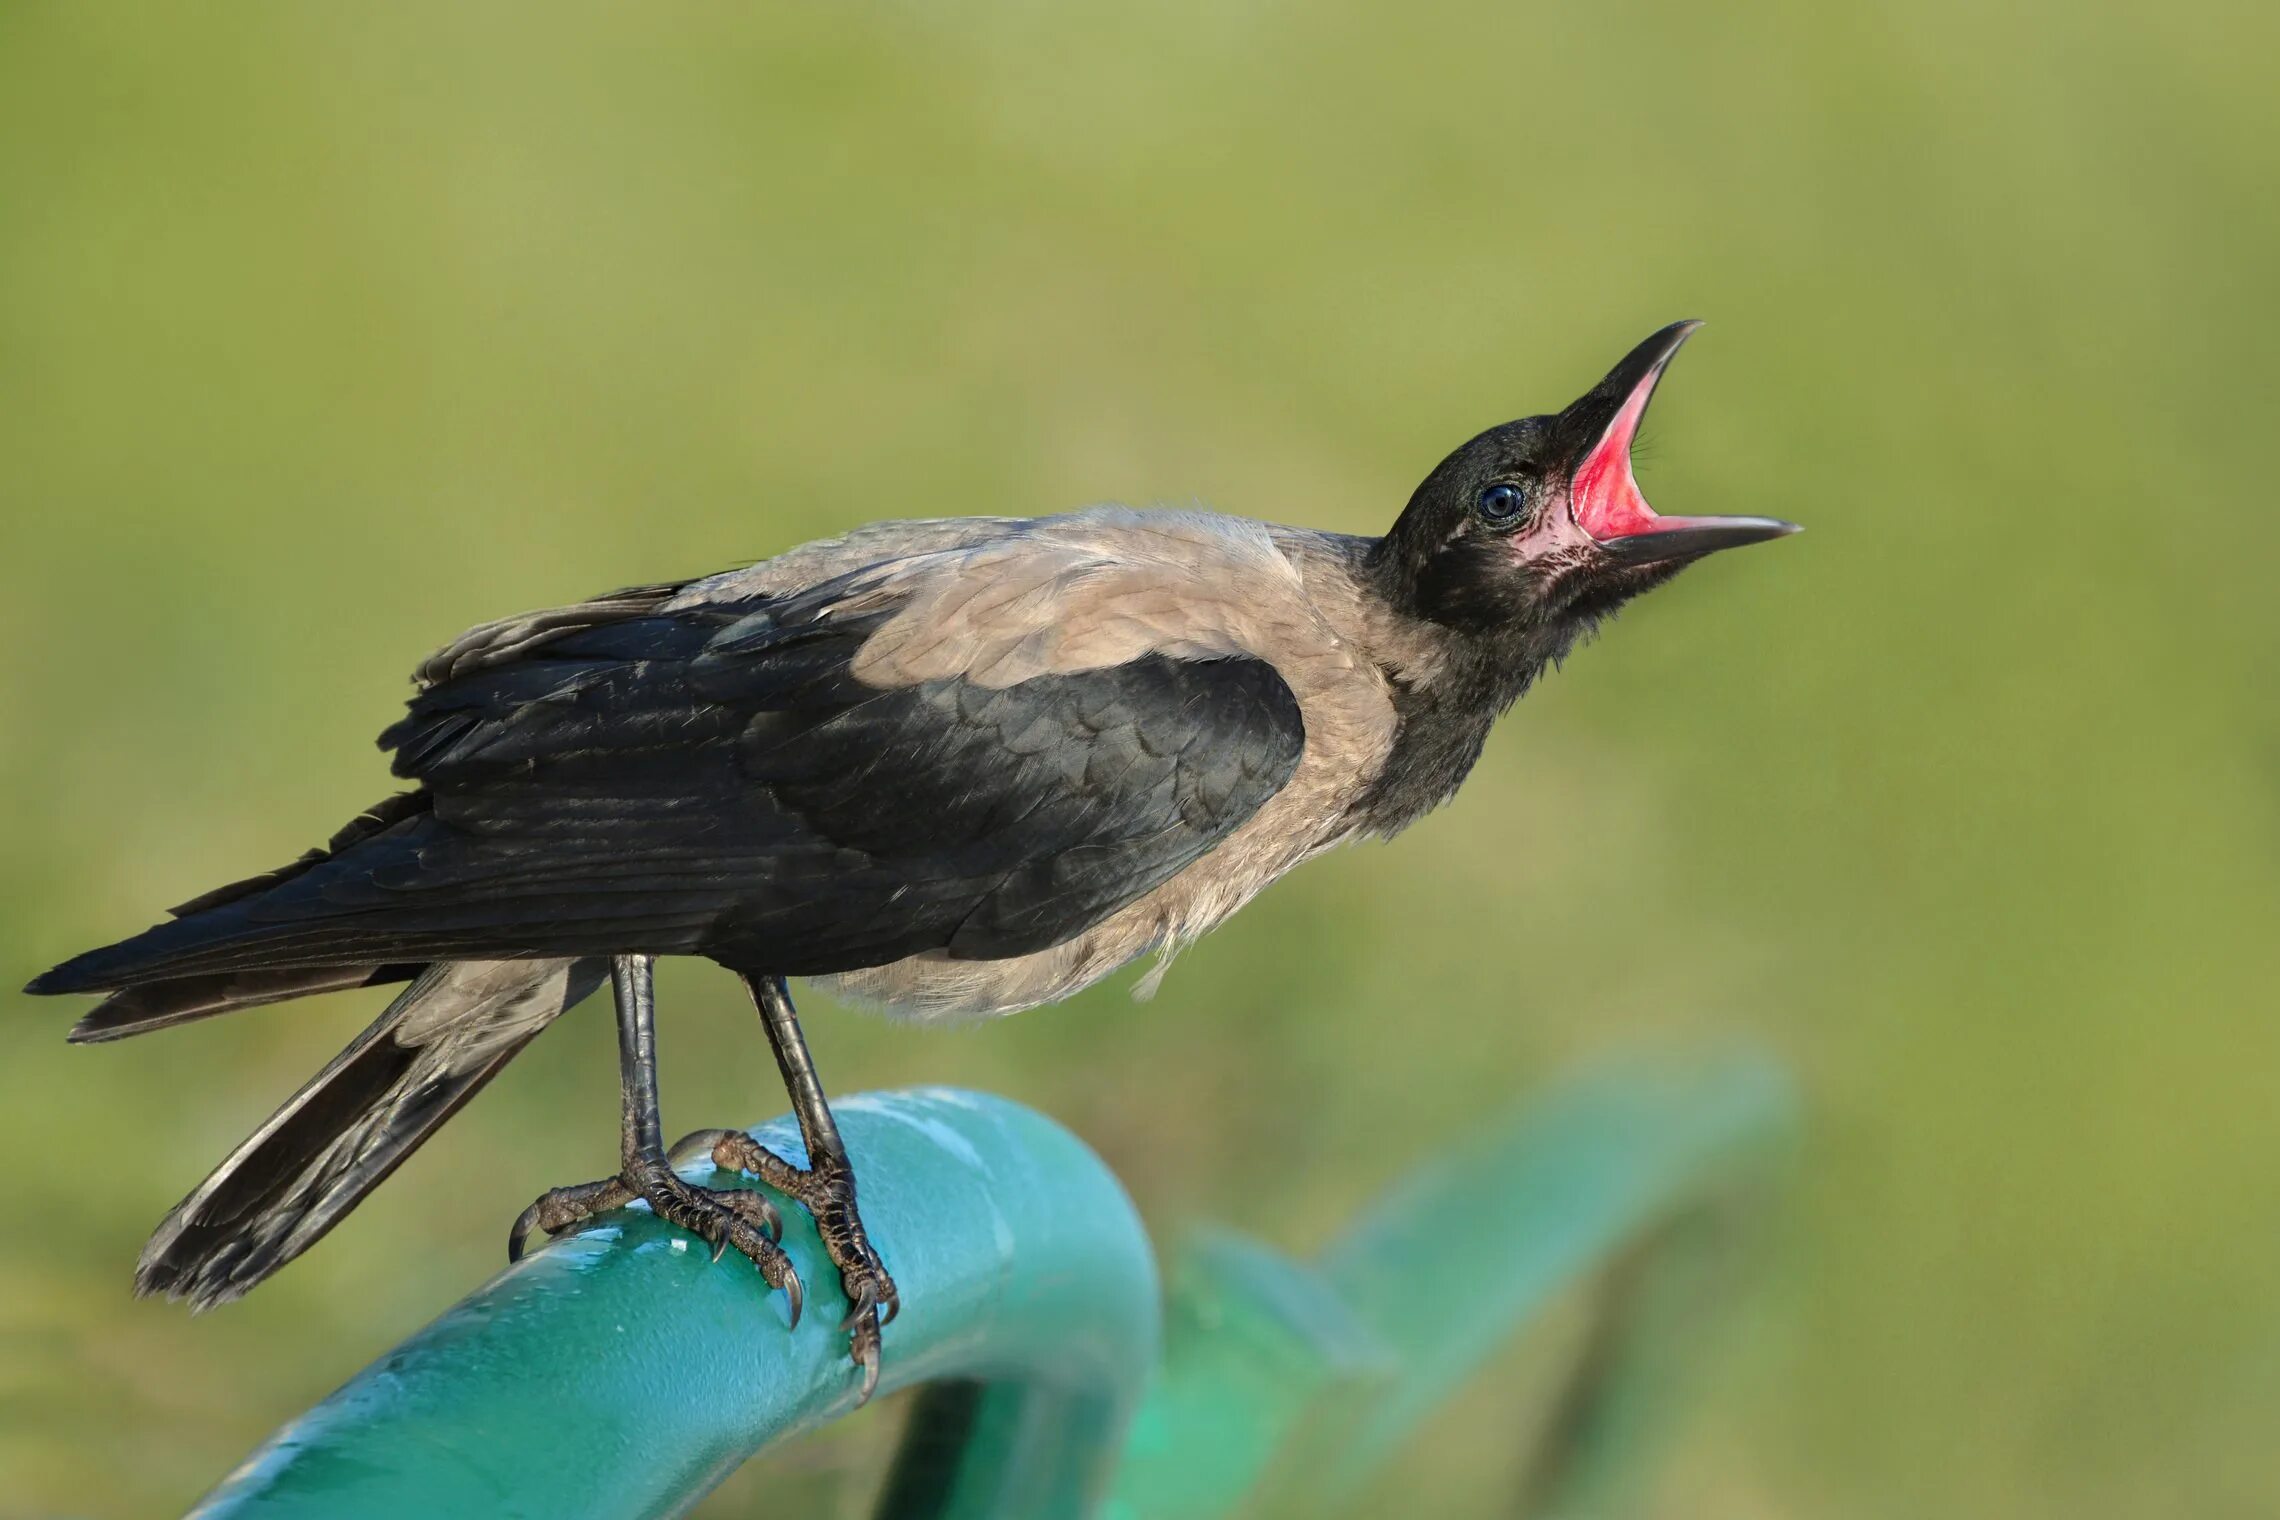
column 718, row 779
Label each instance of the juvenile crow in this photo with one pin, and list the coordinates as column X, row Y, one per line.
column 956, row 768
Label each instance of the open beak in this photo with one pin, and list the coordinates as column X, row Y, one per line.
column 1603, row 495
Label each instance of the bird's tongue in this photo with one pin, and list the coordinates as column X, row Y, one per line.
column 1604, row 495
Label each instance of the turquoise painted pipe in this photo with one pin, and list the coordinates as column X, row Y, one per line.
column 620, row 1372
column 1300, row 1378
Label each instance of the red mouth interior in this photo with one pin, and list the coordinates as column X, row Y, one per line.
column 1603, row 494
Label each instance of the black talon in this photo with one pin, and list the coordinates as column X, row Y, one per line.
column 795, row 1297
column 688, row 1148
column 865, row 1302
column 560, row 1208
column 518, row 1237
column 770, row 1220
column 866, row 1356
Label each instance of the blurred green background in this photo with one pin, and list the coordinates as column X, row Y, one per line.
column 324, row 333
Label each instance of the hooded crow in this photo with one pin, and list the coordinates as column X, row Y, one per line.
column 954, row 768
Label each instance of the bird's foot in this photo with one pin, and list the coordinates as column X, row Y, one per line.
column 827, row 1191
column 723, row 1218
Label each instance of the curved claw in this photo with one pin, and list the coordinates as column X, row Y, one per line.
column 866, row 1301
column 518, row 1235
column 891, row 1305
column 697, row 1142
column 866, row 1356
column 795, row 1297
column 558, row 1209
column 756, row 1210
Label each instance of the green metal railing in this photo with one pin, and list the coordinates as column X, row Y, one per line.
column 620, row 1372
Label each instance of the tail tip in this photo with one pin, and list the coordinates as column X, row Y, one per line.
column 199, row 1284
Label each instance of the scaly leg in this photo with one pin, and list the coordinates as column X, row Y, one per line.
column 825, row 1187
column 722, row 1217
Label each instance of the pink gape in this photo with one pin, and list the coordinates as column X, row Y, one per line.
column 1604, row 495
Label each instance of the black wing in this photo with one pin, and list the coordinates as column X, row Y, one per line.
column 716, row 781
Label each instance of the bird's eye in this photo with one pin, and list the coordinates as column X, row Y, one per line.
column 1501, row 504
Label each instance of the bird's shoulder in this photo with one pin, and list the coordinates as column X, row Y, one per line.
column 1098, row 630
column 502, row 641
column 994, row 599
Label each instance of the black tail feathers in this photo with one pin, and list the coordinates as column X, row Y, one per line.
column 214, row 923
column 156, row 1005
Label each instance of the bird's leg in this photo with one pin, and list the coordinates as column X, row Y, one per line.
column 825, row 1186
column 722, row 1217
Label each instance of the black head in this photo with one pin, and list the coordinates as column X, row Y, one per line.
column 1535, row 530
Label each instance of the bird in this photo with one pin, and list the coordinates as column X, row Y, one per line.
column 953, row 768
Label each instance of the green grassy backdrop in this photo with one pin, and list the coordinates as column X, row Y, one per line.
column 324, row 333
